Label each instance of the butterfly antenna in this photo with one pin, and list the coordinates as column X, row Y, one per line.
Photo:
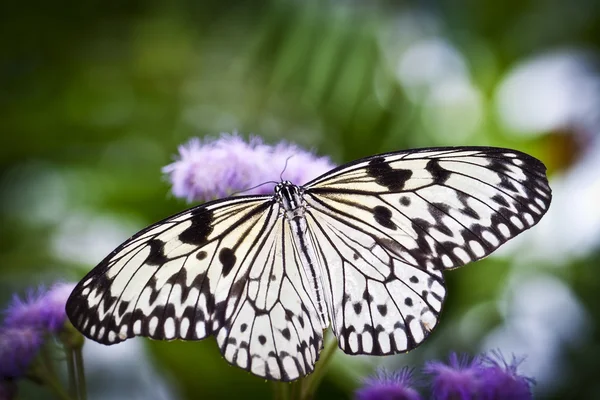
column 253, row 187
column 284, row 168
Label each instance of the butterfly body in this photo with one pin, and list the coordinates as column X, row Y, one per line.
column 360, row 249
column 293, row 205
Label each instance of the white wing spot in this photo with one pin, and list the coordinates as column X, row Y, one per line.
column 540, row 202
column 137, row 327
column 367, row 342
column 517, row 222
column 152, row 325
column 384, row 342
column 477, row 248
column 528, row 218
column 542, row 193
column 184, row 326
column 447, row 261
column 461, row 254
column 534, row 208
column 490, row 238
column 123, row 332
column 429, row 321
column 200, row 330
column 504, row 230
column 353, row 342
column 416, row 330
column 169, row 328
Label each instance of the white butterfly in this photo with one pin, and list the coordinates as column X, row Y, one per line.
column 361, row 249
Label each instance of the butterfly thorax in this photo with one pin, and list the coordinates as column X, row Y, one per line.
column 290, row 198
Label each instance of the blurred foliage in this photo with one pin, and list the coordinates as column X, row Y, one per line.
column 95, row 97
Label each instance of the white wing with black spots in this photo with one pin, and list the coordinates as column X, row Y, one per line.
column 274, row 331
column 446, row 206
column 379, row 303
column 163, row 282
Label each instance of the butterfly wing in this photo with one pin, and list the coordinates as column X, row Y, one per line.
column 218, row 269
column 378, row 302
column 274, row 331
column 388, row 225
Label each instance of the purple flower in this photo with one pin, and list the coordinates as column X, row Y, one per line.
column 500, row 380
column 459, row 379
column 388, row 386
column 214, row 168
column 302, row 166
column 44, row 310
column 18, row 348
column 483, row 378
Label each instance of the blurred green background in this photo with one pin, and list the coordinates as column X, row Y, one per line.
column 96, row 96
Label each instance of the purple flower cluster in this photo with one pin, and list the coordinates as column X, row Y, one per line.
column 26, row 324
column 214, row 168
column 489, row 377
column 389, row 386
column 458, row 379
column 500, row 380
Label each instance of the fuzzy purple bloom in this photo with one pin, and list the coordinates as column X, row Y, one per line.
column 18, row 348
column 44, row 310
column 488, row 377
column 213, row 168
column 459, row 379
column 389, row 386
column 500, row 380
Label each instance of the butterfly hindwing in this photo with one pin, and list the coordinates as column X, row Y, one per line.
column 273, row 331
column 379, row 303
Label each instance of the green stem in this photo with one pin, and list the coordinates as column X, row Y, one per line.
column 57, row 388
column 311, row 383
column 71, row 371
column 281, row 390
column 295, row 389
column 73, row 342
column 40, row 374
column 80, row 373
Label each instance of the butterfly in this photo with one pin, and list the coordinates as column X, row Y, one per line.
column 361, row 249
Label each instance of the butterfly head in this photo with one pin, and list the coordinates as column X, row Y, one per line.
column 289, row 196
